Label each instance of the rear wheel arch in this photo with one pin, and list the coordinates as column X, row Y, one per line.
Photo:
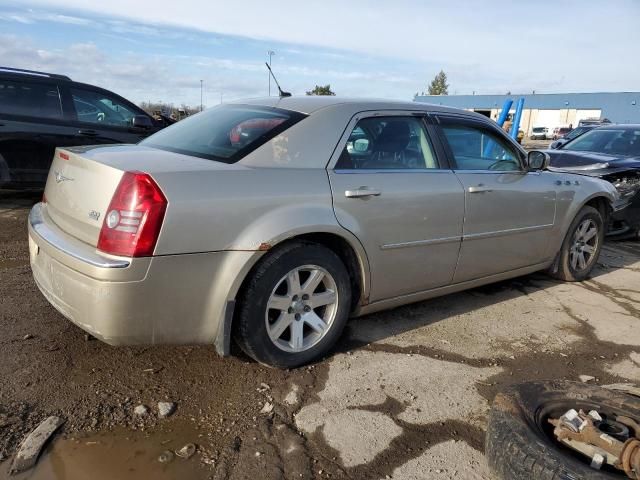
column 248, row 329
column 353, row 257
column 350, row 252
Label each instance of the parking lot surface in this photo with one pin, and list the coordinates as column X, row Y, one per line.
column 404, row 396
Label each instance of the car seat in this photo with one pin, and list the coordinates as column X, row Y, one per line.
column 389, row 147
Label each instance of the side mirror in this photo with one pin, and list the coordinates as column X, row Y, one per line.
column 361, row 145
column 141, row 121
column 538, row 160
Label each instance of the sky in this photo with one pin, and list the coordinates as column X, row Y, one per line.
column 158, row 50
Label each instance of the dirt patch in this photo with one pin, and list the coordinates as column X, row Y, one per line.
column 422, row 376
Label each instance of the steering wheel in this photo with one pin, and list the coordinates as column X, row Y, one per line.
column 497, row 165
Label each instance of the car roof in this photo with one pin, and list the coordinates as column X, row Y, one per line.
column 22, row 73
column 311, row 103
column 619, row 126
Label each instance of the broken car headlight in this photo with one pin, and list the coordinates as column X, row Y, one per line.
column 627, row 186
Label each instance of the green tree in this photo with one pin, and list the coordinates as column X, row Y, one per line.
column 321, row 90
column 439, row 85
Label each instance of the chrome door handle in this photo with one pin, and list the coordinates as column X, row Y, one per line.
column 479, row 189
column 362, row 192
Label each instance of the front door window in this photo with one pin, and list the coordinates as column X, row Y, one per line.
column 478, row 148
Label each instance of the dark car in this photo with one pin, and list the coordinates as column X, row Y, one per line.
column 42, row 111
column 575, row 133
column 612, row 153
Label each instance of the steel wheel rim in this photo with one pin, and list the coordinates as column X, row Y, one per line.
column 584, row 245
column 301, row 309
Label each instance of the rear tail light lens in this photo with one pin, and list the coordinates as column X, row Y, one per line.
column 134, row 217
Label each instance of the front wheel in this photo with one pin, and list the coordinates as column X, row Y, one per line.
column 295, row 305
column 581, row 247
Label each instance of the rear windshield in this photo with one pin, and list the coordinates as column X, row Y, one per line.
column 225, row 133
column 539, row 129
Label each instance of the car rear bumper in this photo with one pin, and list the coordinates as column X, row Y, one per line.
column 174, row 299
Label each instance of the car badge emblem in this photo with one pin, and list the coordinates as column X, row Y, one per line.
column 94, row 215
column 61, row 178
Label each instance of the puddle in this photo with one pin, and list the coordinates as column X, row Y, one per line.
column 119, row 454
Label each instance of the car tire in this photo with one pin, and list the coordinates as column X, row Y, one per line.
column 519, row 443
column 566, row 268
column 277, row 322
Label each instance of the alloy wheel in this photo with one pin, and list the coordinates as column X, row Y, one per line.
column 302, row 308
column 584, row 245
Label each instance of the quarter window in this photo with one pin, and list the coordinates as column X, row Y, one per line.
column 30, row 99
column 388, row 143
column 476, row 148
column 95, row 107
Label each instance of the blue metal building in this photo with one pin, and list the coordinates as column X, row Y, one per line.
column 550, row 109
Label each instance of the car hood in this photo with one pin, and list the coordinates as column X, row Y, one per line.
column 591, row 163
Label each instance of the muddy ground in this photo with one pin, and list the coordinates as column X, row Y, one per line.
column 404, row 396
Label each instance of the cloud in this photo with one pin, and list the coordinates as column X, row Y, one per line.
column 29, row 17
column 408, row 29
column 390, row 49
column 137, row 77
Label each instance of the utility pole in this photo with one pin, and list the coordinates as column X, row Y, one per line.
column 271, row 53
column 200, row 95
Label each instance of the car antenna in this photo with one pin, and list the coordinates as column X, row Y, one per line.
column 282, row 93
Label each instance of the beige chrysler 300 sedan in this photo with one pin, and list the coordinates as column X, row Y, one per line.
column 272, row 221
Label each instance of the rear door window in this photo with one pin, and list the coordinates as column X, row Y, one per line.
column 225, row 133
column 383, row 143
column 30, row 99
column 101, row 109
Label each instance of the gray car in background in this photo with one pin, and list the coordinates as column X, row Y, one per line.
column 272, row 221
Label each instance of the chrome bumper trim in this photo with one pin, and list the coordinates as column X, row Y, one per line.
column 72, row 247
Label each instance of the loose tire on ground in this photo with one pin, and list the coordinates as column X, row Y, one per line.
column 518, row 442
column 250, row 327
column 565, row 271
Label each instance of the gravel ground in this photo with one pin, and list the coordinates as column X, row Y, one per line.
column 404, row 396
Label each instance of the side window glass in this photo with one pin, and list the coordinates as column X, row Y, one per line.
column 475, row 148
column 30, row 99
column 97, row 108
column 379, row 143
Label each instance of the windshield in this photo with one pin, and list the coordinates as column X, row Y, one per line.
column 576, row 132
column 610, row 140
column 539, row 129
column 225, row 133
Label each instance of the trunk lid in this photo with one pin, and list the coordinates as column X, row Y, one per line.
column 82, row 181
column 78, row 193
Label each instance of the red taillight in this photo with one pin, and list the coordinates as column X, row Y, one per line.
column 134, row 217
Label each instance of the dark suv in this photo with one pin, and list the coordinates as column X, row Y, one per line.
column 40, row 111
